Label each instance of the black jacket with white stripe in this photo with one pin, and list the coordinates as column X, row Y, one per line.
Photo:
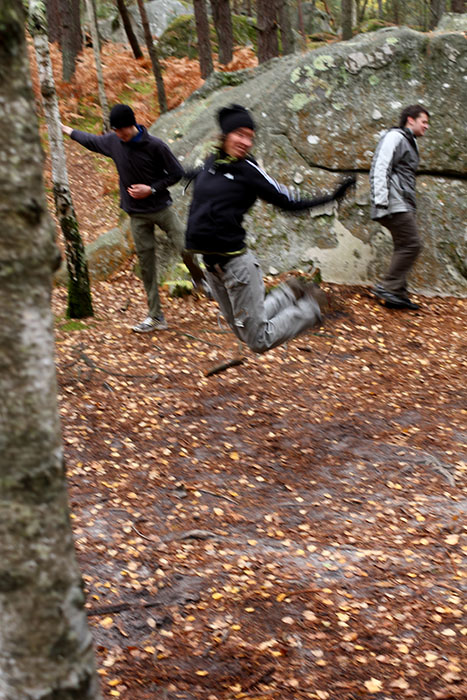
column 224, row 191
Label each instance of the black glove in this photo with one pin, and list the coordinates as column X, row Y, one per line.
column 340, row 192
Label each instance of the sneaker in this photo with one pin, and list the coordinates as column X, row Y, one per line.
column 151, row 324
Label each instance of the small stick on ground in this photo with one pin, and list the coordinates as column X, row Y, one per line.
column 216, row 369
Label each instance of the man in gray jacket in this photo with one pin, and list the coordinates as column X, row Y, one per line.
column 147, row 168
column 393, row 201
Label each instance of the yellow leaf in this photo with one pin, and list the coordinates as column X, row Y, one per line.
column 202, row 673
column 107, row 622
column 114, row 681
column 235, row 456
column 217, row 596
column 452, row 539
column 373, row 685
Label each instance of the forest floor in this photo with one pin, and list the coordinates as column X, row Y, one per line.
column 289, row 528
column 293, row 527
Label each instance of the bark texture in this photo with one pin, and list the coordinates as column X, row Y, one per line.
column 131, row 36
column 204, row 40
column 346, row 15
column 223, row 23
column 79, row 293
column 71, row 36
column 45, row 644
column 154, row 56
column 97, row 58
column 268, row 43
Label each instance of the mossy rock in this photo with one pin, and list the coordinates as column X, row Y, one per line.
column 180, row 38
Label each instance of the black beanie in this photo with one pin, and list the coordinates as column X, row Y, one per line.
column 234, row 117
column 122, row 116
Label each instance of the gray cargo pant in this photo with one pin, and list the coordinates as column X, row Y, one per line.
column 262, row 322
column 142, row 229
column 407, row 248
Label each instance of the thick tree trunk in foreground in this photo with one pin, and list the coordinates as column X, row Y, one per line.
column 131, row 36
column 79, row 293
column 223, row 23
column 154, row 56
column 204, row 40
column 45, row 644
column 97, row 59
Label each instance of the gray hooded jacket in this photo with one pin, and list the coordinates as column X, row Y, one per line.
column 392, row 174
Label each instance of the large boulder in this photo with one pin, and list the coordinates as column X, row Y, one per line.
column 160, row 14
column 319, row 116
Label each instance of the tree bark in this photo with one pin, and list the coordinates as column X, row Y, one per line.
column 72, row 42
column 223, row 23
column 97, row 59
column 131, row 36
column 54, row 20
column 45, row 644
column 153, row 55
column 266, row 17
column 79, row 293
column 458, row 6
column 437, row 9
column 204, row 40
column 346, row 19
column 287, row 37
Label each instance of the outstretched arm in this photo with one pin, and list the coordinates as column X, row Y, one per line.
column 271, row 191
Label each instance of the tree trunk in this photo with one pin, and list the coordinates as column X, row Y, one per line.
column 223, row 23
column 97, row 59
column 79, row 293
column 458, row 6
column 266, row 17
column 45, row 644
column 153, row 54
column 131, row 36
column 204, row 40
column 287, row 37
column 437, row 9
column 346, row 19
column 71, row 37
column 54, row 20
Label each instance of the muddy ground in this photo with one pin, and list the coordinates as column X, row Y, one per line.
column 289, row 528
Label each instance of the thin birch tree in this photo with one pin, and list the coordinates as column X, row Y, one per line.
column 45, row 644
column 97, row 59
column 79, row 292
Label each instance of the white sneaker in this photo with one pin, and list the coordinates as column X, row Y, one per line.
column 151, row 324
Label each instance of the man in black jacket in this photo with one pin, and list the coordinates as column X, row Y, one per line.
column 147, row 168
column 224, row 190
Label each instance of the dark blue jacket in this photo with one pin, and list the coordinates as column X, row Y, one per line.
column 142, row 161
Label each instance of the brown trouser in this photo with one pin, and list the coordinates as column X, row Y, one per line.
column 407, row 248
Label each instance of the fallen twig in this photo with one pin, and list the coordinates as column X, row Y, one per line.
column 216, row 369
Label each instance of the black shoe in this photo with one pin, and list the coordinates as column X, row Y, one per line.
column 390, row 299
column 408, row 303
column 394, row 301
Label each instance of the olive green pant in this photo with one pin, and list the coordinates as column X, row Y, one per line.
column 142, row 229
